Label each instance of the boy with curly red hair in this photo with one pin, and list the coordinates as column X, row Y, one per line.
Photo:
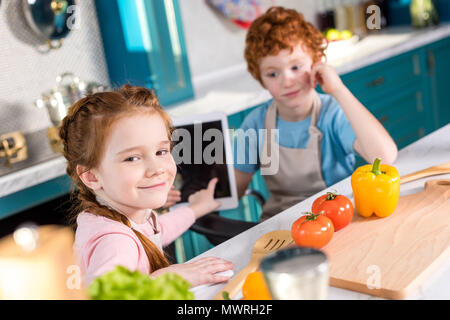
column 318, row 134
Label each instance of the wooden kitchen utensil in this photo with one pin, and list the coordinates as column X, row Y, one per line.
column 431, row 171
column 390, row 257
column 267, row 243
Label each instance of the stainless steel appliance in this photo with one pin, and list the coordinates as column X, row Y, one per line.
column 69, row 88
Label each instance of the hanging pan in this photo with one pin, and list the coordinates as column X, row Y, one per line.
column 49, row 19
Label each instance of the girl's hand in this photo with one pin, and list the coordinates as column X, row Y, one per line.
column 173, row 197
column 327, row 77
column 200, row 271
column 202, row 202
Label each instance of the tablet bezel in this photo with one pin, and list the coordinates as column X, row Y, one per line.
column 231, row 202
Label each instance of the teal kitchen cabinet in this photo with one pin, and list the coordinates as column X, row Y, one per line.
column 144, row 45
column 406, row 93
column 438, row 61
column 33, row 196
column 407, row 121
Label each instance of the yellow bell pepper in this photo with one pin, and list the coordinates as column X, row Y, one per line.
column 376, row 189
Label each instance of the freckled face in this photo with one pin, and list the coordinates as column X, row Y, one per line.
column 138, row 169
column 287, row 76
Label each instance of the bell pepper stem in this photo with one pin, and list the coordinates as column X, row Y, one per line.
column 376, row 167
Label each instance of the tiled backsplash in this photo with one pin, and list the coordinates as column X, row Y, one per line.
column 25, row 73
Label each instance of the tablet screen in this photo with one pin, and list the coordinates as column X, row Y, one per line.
column 199, row 152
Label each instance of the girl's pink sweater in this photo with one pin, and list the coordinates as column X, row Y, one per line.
column 101, row 244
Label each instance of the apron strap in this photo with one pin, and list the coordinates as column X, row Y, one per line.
column 271, row 121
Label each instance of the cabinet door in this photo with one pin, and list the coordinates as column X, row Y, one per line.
column 387, row 77
column 34, row 196
column 395, row 91
column 404, row 116
column 144, row 45
column 438, row 61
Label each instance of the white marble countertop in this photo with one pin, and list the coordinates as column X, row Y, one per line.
column 235, row 90
column 431, row 150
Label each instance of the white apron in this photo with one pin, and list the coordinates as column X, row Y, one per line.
column 300, row 170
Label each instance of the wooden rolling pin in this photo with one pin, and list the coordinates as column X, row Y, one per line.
column 431, row 171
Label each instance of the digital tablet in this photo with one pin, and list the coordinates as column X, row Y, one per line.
column 202, row 151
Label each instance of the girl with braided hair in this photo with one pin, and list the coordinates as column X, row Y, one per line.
column 117, row 145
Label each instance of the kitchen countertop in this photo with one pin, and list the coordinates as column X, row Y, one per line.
column 235, row 90
column 431, row 150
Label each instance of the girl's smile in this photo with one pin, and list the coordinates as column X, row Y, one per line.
column 158, row 186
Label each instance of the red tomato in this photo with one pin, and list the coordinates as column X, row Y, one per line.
column 337, row 207
column 312, row 230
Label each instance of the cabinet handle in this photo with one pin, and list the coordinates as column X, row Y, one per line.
column 431, row 62
column 375, row 82
column 383, row 119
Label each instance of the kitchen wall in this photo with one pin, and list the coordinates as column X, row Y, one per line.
column 25, row 73
column 215, row 49
column 214, row 44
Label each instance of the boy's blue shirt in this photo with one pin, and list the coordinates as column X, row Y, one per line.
column 338, row 156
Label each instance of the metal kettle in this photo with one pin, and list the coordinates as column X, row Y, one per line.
column 69, row 89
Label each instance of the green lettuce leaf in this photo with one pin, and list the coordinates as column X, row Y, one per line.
column 123, row 284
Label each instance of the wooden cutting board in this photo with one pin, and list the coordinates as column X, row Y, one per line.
column 390, row 257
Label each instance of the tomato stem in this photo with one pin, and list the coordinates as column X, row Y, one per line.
column 311, row 216
column 331, row 195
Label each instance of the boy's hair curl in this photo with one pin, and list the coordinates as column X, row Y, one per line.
column 278, row 29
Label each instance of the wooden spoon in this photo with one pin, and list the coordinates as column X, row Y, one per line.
column 431, row 171
column 267, row 243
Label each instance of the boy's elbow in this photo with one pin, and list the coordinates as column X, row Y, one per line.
column 390, row 155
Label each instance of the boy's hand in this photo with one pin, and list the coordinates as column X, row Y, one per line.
column 327, row 77
column 202, row 202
